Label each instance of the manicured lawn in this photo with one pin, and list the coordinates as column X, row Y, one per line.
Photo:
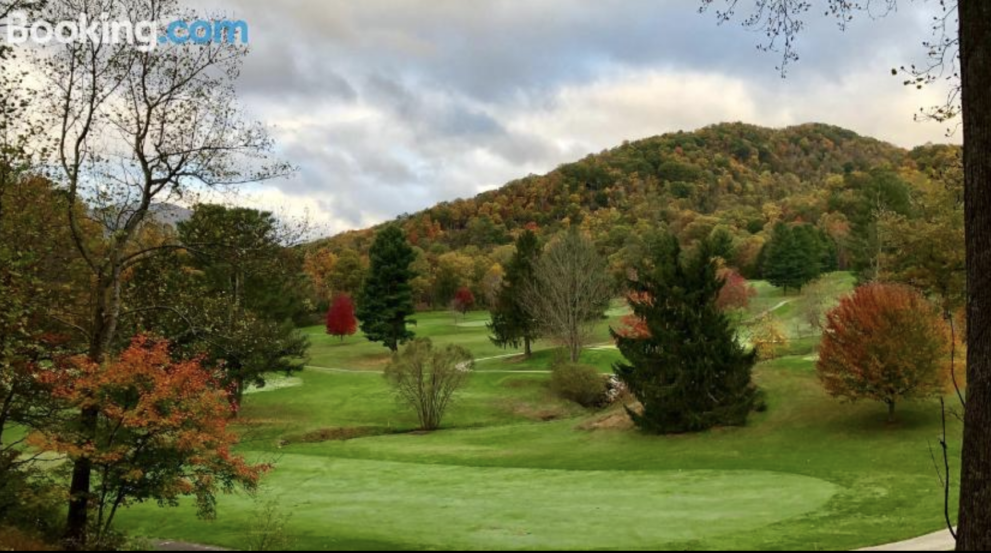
column 516, row 468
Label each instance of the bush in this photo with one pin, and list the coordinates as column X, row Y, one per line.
column 12, row 539
column 269, row 533
column 426, row 379
column 30, row 499
column 581, row 384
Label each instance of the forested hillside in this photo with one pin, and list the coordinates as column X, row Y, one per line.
column 736, row 183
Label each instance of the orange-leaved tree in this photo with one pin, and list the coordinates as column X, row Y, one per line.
column 162, row 431
column 885, row 343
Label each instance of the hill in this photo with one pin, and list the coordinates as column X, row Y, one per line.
column 734, row 179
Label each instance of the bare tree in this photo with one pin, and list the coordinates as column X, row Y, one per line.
column 135, row 127
column 959, row 55
column 426, row 379
column 569, row 293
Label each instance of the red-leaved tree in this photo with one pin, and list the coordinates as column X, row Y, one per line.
column 885, row 343
column 341, row 321
column 162, row 430
column 464, row 300
column 736, row 293
column 632, row 326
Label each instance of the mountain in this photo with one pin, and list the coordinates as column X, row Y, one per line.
column 734, row 179
column 170, row 214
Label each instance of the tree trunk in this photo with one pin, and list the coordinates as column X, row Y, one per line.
column 527, row 347
column 975, row 486
column 105, row 327
column 891, row 412
column 79, row 490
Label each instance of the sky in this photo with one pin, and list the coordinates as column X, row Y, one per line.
column 390, row 106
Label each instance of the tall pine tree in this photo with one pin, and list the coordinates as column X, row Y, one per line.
column 511, row 325
column 689, row 372
column 793, row 257
column 386, row 301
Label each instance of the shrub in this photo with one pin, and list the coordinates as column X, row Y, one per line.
column 425, row 379
column 12, row 539
column 269, row 533
column 581, row 384
column 30, row 499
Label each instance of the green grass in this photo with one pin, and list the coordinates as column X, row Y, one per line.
column 516, row 468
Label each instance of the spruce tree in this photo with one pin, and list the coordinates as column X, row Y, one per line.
column 511, row 324
column 690, row 373
column 386, row 300
column 793, row 257
column 811, row 250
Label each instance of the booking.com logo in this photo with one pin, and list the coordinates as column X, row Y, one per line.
column 144, row 34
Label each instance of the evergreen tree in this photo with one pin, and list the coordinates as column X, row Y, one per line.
column 511, row 325
column 811, row 249
column 722, row 244
column 689, row 372
column 793, row 257
column 386, row 300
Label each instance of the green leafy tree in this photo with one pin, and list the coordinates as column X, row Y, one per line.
column 512, row 325
column 244, row 253
column 236, row 293
column 688, row 371
column 348, row 273
column 877, row 195
column 386, row 301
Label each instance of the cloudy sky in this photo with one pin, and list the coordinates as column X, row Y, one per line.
column 389, row 106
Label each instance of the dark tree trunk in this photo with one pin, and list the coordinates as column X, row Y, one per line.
column 975, row 492
column 105, row 326
column 527, row 347
column 79, row 491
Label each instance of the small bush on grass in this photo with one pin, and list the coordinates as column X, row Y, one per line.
column 581, row 384
column 426, row 379
column 269, row 533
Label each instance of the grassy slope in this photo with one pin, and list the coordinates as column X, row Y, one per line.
column 514, row 470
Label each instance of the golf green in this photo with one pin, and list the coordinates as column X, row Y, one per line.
column 444, row 506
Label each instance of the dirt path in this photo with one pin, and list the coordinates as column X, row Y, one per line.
column 169, row 545
column 937, row 541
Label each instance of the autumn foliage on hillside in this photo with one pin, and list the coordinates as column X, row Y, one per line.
column 736, row 182
column 162, row 429
column 885, row 343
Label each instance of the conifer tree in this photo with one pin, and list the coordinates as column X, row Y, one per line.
column 793, row 257
column 689, row 371
column 511, row 325
column 386, row 301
